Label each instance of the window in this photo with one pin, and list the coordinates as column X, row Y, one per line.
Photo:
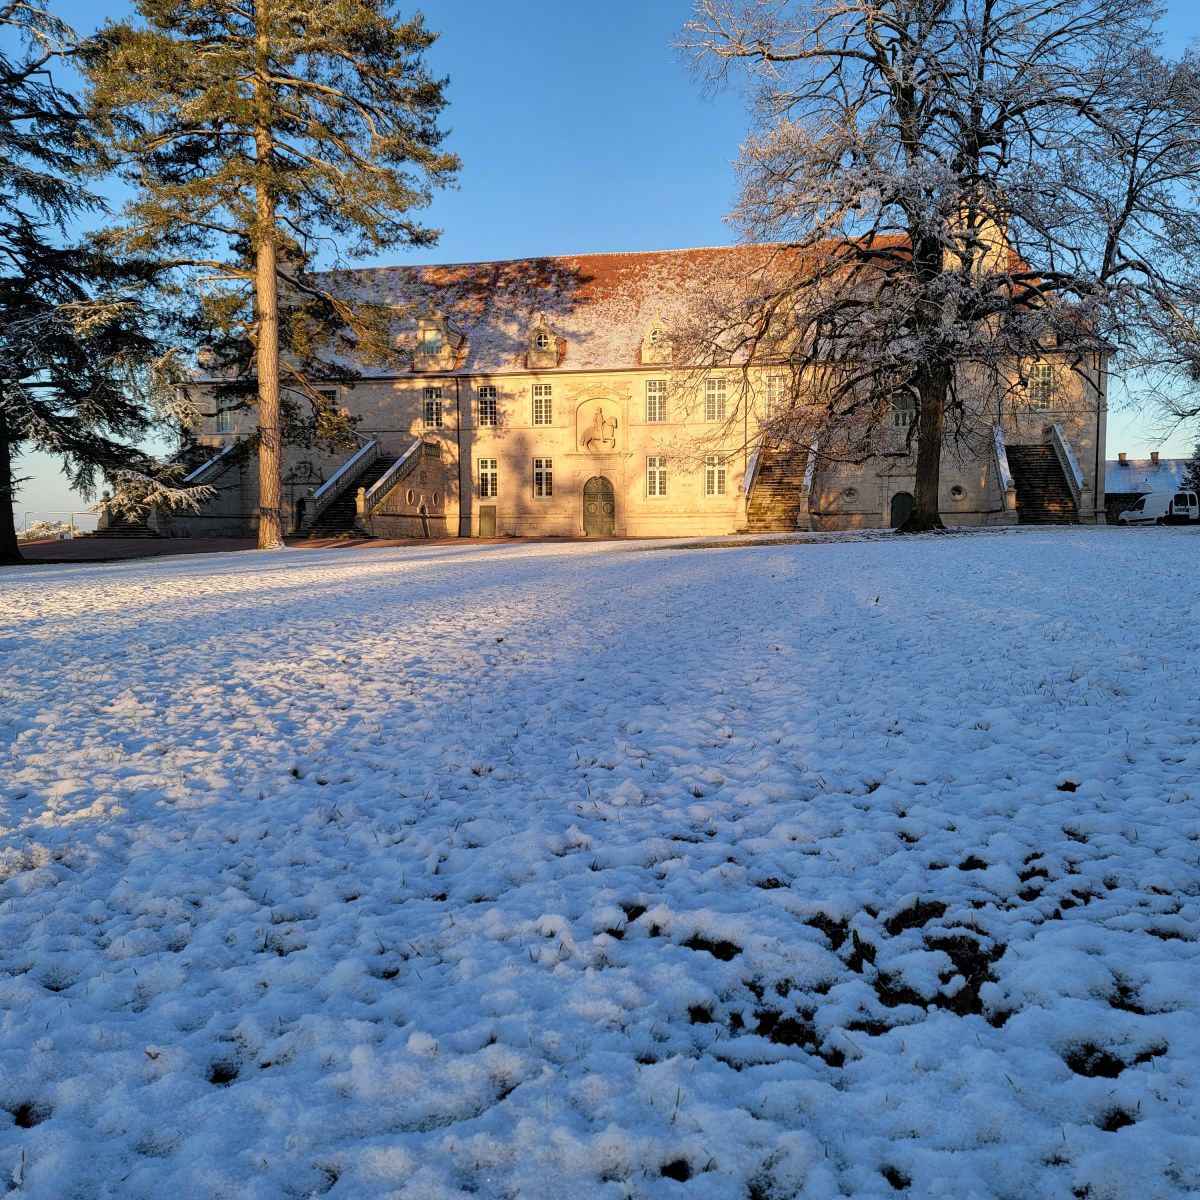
column 329, row 399
column 542, row 340
column 487, row 406
column 714, row 399
column 429, row 341
column 543, row 407
column 1041, row 385
column 714, row 475
column 489, row 479
column 543, row 478
column 656, row 476
column 777, row 394
column 226, row 421
column 656, row 399
column 904, row 411
column 433, row 408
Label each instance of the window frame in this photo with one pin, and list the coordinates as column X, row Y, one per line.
column 714, row 399
column 542, row 401
column 488, row 477
column 432, row 414
column 716, row 475
column 492, row 399
column 1040, row 386
column 656, row 401
column 543, row 478
column 227, row 406
column 656, row 477
column 431, row 340
column 776, row 392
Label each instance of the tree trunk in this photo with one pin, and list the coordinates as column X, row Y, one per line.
column 10, row 550
column 266, row 286
column 933, row 386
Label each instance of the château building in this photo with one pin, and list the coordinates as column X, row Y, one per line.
column 543, row 397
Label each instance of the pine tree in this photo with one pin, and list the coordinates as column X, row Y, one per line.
column 81, row 372
column 961, row 184
column 264, row 137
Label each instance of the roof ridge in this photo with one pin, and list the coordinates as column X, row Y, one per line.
column 496, row 262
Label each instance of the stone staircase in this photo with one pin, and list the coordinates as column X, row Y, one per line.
column 127, row 527
column 340, row 515
column 777, row 495
column 1043, row 495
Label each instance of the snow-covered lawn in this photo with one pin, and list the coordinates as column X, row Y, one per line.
column 549, row 871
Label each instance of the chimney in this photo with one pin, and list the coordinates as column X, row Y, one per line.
column 1124, row 458
column 1154, row 457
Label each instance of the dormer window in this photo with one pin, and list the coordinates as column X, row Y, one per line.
column 437, row 342
column 655, row 346
column 543, row 346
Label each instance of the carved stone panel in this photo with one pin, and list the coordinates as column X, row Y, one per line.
column 598, row 426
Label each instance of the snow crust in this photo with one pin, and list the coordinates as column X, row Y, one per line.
column 803, row 870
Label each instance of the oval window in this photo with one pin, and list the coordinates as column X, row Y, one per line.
column 542, row 340
column 850, row 495
column 411, row 496
column 436, row 499
column 957, row 492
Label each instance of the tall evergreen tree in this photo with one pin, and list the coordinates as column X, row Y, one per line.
column 266, row 137
column 81, row 373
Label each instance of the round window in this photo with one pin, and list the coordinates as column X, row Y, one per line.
column 542, row 340
column 655, row 335
column 850, row 495
column 411, row 496
column 957, row 492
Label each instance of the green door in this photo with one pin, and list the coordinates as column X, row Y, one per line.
column 487, row 520
column 599, row 507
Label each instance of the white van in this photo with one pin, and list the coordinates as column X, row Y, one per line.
column 1162, row 508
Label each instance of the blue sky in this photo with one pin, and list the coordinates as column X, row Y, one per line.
column 580, row 129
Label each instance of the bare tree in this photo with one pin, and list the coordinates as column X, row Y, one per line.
column 953, row 187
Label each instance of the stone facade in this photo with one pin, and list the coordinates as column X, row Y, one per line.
column 544, row 401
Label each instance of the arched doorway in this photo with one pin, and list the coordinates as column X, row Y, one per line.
column 902, row 506
column 599, row 507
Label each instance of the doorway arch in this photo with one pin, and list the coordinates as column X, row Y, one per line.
column 599, row 507
column 902, row 506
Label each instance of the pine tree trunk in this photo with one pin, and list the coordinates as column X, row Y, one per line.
column 10, row 550
column 270, row 467
column 933, row 386
column 270, row 487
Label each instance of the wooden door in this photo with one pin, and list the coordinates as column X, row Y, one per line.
column 902, row 506
column 599, row 507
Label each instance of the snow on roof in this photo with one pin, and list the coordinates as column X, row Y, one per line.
column 1144, row 475
column 601, row 305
